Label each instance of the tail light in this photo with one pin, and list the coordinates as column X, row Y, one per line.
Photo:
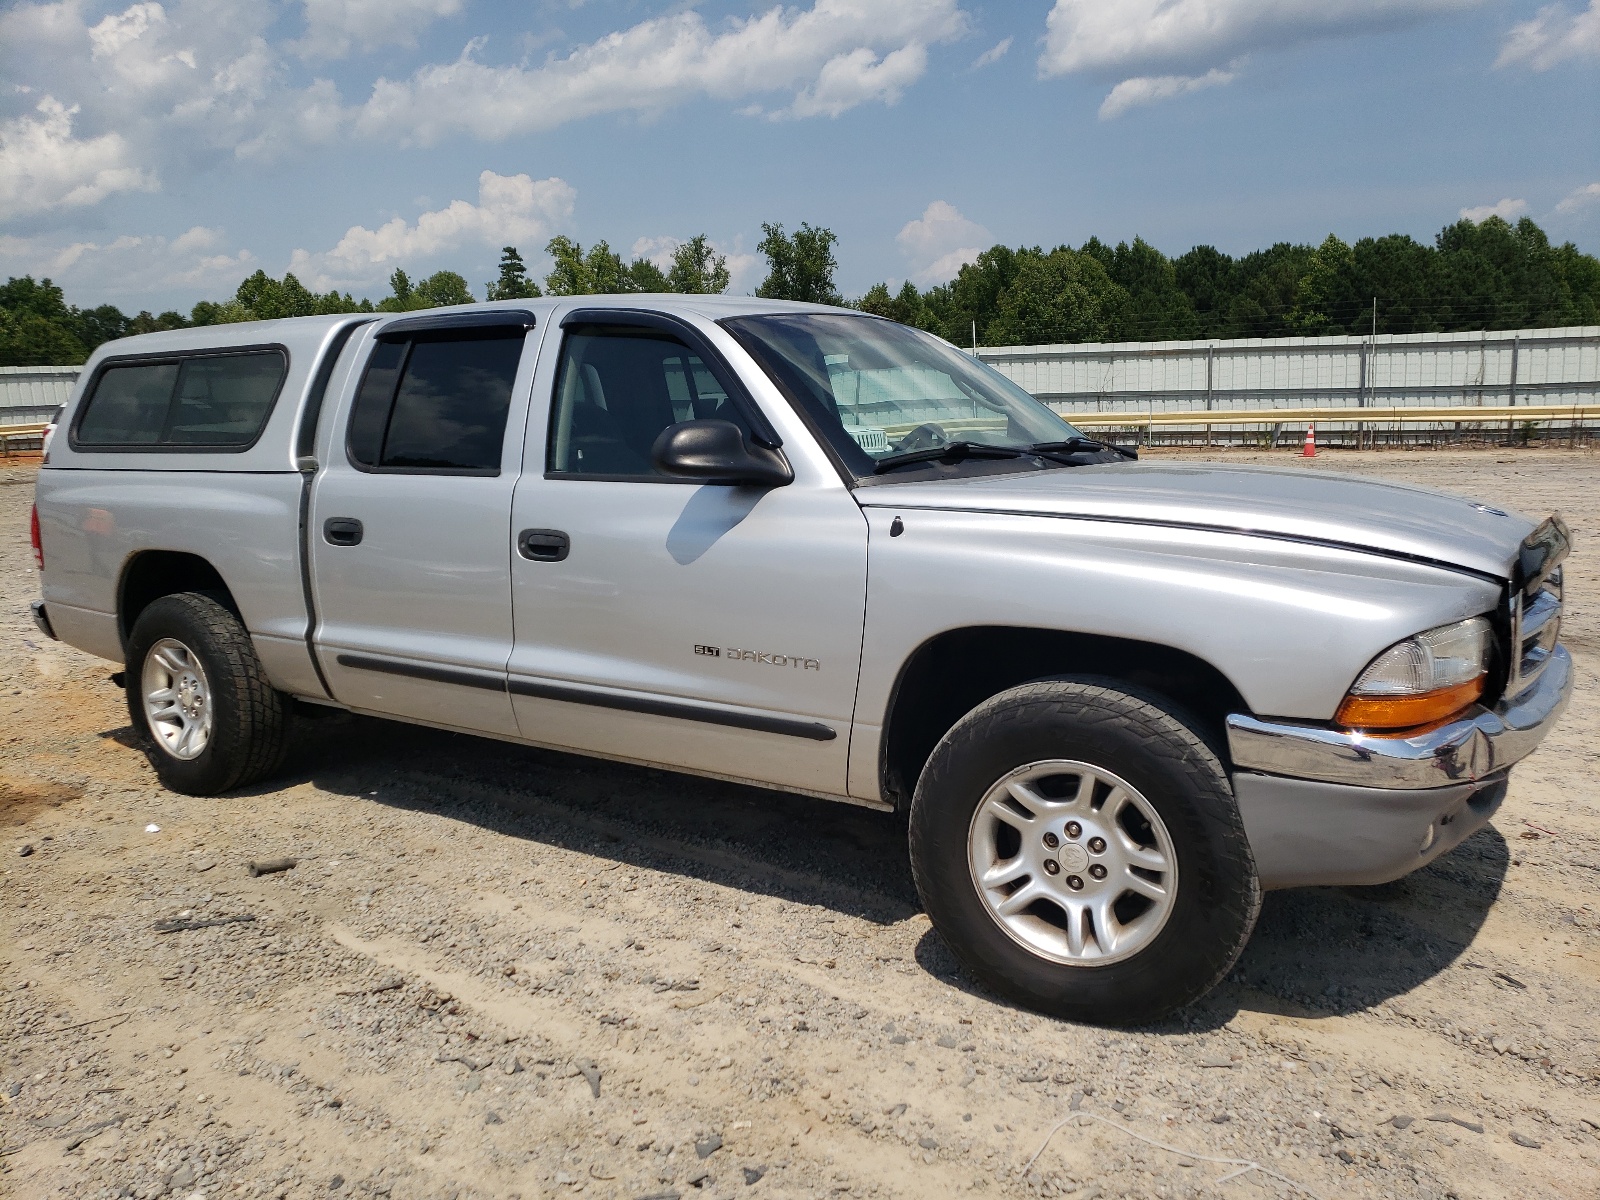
column 38, row 542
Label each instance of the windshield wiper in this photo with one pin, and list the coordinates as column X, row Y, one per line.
column 1075, row 445
column 950, row 452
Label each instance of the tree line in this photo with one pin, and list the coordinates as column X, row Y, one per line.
column 1485, row 275
column 1488, row 275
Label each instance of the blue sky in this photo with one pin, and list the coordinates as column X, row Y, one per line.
column 152, row 154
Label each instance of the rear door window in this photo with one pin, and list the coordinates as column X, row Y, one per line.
column 436, row 404
column 205, row 401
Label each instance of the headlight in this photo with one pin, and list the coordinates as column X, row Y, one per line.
column 1422, row 679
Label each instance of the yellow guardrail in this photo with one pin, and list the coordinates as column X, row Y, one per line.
column 1462, row 414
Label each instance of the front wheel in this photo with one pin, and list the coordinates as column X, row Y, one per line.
column 199, row 695
column 1078, row 847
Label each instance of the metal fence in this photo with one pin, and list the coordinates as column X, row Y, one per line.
column 1542, row 371
column 30, row 395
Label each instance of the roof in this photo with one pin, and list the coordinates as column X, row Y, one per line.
column 313, row 329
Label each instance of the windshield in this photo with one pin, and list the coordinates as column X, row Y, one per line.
column 878, row 391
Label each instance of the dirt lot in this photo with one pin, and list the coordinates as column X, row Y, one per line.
column 501, row 972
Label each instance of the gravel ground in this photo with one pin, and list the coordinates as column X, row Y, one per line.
column 502, row 972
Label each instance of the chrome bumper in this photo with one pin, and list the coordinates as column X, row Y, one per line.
column 1472, row 748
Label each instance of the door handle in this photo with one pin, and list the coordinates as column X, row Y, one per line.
column 543, row 545
column 342, row 531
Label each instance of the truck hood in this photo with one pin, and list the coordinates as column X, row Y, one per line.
column 1392, row 519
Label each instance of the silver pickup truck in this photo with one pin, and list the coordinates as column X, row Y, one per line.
column 817, row 551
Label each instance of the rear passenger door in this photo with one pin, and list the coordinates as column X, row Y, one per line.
column 410, row 521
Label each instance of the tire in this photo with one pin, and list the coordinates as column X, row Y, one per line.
column 185, row 646
column 1104, row 950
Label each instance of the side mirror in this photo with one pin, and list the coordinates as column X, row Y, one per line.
column 717, row 452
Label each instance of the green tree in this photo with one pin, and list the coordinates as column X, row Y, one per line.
column 441, row 289
column 1495, row 275
column 599, row 271
column 400, row 297
column 575, row 273
column 1265, row 283
column 1400, row 270
column 697, row 269
column 608, row 275
column 878, row 301
column 1063, row 296
column 966, row 306
column 513, row 283
column 569, row 275
column 29, row 340
column 1327, row 281
column 799, row 267
column 1581, row 275
column 270, row 298
column 645, row 276
column 260, row 297
column 148, row 322
column 1157, row 309
column 95, row 326
column 906, row 306
column 437, row 290
column 37, row 326
column 229, row 312
column 1207, row 277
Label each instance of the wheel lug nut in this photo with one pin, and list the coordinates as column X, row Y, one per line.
column 1097, row 871
column 1097, row 845
column 1052, row 867
column 1075, row 883
column 1051, row 841
column 1073, row 829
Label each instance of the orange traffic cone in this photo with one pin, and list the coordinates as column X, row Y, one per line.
column 1310, row 449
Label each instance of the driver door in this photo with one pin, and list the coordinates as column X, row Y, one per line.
column 709, row 627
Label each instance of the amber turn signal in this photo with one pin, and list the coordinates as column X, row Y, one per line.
column 1407, row 712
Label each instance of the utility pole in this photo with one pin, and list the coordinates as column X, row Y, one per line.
column 974, row 337
column 1366, row 381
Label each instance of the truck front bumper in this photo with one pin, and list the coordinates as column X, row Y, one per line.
column 1333, row 806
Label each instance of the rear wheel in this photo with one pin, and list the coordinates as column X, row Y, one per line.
column 1078, row 846
column 198, row 693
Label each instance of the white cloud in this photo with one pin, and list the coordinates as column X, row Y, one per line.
column 1507, row 210
column 43, row 167
column 1553, row 36
column 658, row 250
column 161, row 89
column 1096, row 35
column 858, row 77
column 1582, row 198
column 938, row 243
column 335, row 27
column 130, row 267
column 510, row 209
column 830, row 57
column 1151, row 89
column 992, row 55
column 178, row 83
column 1167, row 48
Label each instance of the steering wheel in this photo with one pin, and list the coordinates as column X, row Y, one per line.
column 924, row 437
